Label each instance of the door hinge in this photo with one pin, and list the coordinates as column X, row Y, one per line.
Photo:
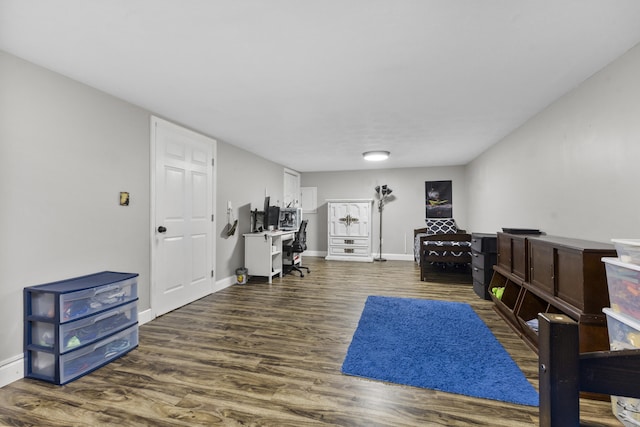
column 213, row 161
column 212, row 216
column 211, row 273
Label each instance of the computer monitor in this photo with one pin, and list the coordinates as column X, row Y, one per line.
column 265, row 213
column 290, row 219
column 274, row 217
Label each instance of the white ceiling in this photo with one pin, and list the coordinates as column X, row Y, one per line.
column 311, row 84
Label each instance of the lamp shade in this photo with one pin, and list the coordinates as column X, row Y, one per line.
column 376, row 156
column 383, row 191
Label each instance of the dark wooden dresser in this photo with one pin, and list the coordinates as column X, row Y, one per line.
column 484, row 253
column 550, row 274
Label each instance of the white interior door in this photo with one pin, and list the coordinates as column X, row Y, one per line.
column 183, row 246
column 291, row 189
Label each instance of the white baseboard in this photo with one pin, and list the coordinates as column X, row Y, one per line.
column 145, row 316
column 397, row 257
column 314, row 253
column 224, row 283
column 393, row 257
column 11, row 370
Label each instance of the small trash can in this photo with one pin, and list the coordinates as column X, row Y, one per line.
column 241, row 275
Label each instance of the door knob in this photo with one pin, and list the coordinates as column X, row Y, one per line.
column 162, row 229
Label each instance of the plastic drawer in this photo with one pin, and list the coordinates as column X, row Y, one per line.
column 81, row 332
column 82, row 361
column 623, row 280
column 624, row 331
column 76, row 298
column 42, row 364
column 628, row 250
column 624, row 334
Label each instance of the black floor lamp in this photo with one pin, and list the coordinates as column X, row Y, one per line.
column 383, row 197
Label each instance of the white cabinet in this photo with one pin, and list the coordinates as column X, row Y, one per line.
column 349, row 229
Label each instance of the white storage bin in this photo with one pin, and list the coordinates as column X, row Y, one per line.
column 623, row 280
column 624, row 334
column 628, row 250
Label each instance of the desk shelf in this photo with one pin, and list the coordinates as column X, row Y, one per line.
column 263, row 254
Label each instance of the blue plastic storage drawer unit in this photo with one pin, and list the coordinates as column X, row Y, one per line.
column 75, row 326
column 67, row 336
column 61, row 369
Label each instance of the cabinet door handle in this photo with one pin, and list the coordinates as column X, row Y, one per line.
column 162, row 229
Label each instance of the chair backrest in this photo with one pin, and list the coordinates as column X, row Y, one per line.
column 300, row 242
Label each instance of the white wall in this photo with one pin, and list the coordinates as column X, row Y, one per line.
column 243, row 178
column 66, row 152
column 573, row 170
column 399, row 217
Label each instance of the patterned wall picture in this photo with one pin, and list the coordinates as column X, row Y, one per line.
column 438, row 199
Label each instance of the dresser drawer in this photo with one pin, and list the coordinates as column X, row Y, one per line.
column 477, row 259
column 349, row 241
column 351, row 251
column 481, row 289
column 485, row 243
column 68, row 336
column 478, row 274
column 67, row 367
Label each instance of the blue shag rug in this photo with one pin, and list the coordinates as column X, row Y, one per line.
column 438, row 345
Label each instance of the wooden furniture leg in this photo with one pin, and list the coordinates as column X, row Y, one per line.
column 564, row 371
column 558, row 371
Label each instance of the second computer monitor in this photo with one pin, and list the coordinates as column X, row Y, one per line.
column 273, row 217
column 290, row 218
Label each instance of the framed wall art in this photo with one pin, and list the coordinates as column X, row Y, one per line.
column 438, row 199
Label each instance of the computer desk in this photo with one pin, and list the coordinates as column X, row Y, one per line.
column 263, row 254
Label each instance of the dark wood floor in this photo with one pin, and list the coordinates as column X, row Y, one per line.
column 270, row 355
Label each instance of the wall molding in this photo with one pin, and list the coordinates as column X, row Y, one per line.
column 11, row 370
column 394, row 257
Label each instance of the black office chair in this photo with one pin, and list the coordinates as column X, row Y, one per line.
column 297, row 246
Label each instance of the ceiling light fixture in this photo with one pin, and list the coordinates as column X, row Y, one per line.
column 376, row 156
